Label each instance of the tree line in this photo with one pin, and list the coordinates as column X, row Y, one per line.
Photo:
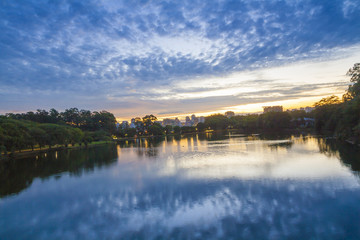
column 341, row 117
column 259, row 122
column 83, row 119
column 332, row 115
column 47, row 129
column 42, row 129
column 148, row 126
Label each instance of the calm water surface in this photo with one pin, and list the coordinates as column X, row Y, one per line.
column 214, row 186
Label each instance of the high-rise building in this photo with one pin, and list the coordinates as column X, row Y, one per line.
column 201, row 119
column 187, row 121
column 171, row 122
column 177, row 122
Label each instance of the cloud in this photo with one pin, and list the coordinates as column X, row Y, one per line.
column 115, row 49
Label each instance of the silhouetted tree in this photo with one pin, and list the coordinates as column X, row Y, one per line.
column 177, row 130
column 354, row 73
column 201, row 127
column 217, row 122
column 156, row 130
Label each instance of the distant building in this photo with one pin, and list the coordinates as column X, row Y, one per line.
column 171, row 122
column 306, row 109
column 168, row 121
column 188, row 122
column 229, row 114
column 177, row 122
column 201, row 119
column 191, row 121
column 194, row 120
column 273, row 109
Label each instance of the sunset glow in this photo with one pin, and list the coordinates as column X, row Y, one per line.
column 174, row 58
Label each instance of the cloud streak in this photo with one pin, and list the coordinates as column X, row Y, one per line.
column 113, row 49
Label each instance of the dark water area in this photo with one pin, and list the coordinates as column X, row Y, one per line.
column 206, row 186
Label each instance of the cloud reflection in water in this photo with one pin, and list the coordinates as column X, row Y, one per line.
column 236, row 187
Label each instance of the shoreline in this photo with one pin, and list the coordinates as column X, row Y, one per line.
column 29, row 153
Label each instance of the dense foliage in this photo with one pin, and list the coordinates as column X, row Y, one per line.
column 83, row 119
column 341, row 117
column 42, row 128
column 258, row 122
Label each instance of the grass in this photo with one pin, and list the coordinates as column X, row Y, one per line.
column 46, row 147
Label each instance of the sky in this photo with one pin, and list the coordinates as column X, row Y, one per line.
column 174, row 58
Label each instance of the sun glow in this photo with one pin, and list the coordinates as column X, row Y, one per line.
column 294, row 85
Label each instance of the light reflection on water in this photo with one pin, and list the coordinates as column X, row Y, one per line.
column 228, row 186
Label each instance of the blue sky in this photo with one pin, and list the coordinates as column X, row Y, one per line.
column 174, row 57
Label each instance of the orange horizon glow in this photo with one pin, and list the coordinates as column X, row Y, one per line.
column 251, row 108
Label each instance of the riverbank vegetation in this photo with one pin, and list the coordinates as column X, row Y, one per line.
column 341, row 117
column 42, row 129
column 47, row 129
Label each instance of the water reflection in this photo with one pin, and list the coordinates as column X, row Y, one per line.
column 347, row 153
column 17, row 175
column 207, row 186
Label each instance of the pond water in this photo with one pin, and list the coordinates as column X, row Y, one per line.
column 208, row 186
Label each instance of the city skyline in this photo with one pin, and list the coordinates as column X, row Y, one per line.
column 175, row 58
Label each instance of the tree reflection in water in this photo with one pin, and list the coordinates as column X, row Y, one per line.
column 205, row 186
column 347, row 153
column 18, row 174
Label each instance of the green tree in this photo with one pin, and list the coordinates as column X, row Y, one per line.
column 76, row 136
column 149, row 120
column 275, row 120
column 156, row 130
column 217, row 122
column 201, row 127
column 354, row 73
column 168, row 129
column 327, row 113
column 328, row 101
column 38, row 136
column 298, row 114
column 86, row 121
column 71, row 116
column 15, row 133
column 54, row 115
column 57, row 134
column 338, row 117
column 129, row 132
column 87, row 138
column 100, row 135
column 177, row 130
column 105, row 121
column 246, row 123
column 188, row 129
column 2, row 142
